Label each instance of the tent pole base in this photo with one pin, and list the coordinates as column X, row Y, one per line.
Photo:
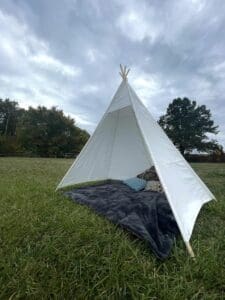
column 190, row 250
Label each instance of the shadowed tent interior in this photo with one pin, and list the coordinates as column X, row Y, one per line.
column 128, row 141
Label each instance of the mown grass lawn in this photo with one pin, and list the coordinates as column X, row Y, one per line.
column 53, row 248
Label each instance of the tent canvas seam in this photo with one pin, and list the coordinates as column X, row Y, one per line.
column 143, row 141
column 114, row 137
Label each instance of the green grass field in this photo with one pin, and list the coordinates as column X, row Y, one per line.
column 51, row 248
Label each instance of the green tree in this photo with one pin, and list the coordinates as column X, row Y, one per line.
column 9, row 114
column 48, row 132
column 188, row 126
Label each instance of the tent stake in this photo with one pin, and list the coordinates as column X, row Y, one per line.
column 189, row 249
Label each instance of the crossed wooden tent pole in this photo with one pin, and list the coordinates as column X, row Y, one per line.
column 124, row 72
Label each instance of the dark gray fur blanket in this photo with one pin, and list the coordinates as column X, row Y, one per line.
column 146, row 214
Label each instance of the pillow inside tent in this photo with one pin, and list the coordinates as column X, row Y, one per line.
column 135, row 183
column 154, row 185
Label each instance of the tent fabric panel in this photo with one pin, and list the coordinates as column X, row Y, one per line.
column 93, row 161
column 185, row 190
column 121, row 98
column 129, row 156
column 185, row 194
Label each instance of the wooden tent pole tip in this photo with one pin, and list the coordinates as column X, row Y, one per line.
column 190, row 250
column 124, row 72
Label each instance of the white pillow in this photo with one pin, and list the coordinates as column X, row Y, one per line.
column 154, row 185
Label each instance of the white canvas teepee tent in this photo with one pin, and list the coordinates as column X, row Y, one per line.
column 128, row 141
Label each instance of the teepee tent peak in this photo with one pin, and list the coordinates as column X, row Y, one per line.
column 124, row 72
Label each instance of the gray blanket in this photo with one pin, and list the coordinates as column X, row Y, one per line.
column 146, row 214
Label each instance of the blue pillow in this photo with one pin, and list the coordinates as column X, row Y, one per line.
column 135, row 183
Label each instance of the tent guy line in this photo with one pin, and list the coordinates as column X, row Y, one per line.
column 128, row 141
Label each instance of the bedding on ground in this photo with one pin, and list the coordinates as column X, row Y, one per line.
column 145, row 214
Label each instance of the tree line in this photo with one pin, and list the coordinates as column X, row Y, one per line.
column 48, row 132
column 38, row 131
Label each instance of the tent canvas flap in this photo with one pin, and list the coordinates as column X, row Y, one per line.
column 185, row 191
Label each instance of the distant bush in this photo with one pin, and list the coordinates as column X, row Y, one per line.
column 38, row 132
column 214, row 157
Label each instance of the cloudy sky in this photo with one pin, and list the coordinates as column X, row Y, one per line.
column 67, row 53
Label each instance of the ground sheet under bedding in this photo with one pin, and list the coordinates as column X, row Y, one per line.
column 145, row 214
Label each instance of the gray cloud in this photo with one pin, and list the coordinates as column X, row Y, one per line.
column 66, row 53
